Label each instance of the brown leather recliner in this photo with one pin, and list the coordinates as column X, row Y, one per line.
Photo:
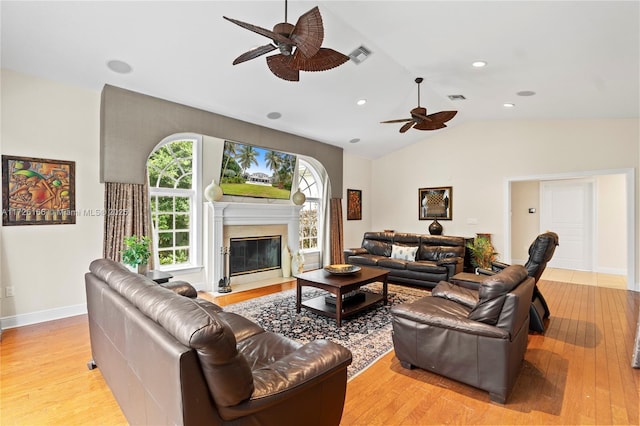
column 540, row 253
column 171, row 359
column 478, row 337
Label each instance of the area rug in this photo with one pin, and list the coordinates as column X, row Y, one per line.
column 367, row 334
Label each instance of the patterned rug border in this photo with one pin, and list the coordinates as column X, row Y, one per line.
column 367, row 335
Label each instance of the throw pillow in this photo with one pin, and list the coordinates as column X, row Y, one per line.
column 404, row 252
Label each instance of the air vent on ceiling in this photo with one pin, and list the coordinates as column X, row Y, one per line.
column 457, row 97
column 360, row 54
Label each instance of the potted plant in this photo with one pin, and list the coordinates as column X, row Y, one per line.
column 482, row 252
column 137, row 252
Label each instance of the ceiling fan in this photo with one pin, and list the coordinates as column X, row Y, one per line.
column 420, row 120
column 299, row 45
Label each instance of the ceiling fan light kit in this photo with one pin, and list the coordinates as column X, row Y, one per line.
column 300, row 46
column 420, row 120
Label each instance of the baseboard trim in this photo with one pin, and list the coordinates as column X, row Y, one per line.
column 42, row 316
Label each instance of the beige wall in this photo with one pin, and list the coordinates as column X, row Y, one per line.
column 477, row 158
column 524, row 225
column 45, row 264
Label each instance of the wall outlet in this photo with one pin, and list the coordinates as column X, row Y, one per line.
column 9, row 291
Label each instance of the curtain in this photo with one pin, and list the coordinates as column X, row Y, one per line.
column 337, row 250
column 128, row 213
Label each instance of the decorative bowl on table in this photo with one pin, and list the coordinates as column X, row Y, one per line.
column 342, row 269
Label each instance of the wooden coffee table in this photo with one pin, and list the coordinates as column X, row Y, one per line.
column 340, row 285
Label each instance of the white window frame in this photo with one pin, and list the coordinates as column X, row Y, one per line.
column 195, row 196
column 319, row 200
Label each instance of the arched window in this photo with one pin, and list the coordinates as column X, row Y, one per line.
column 173, row 183
column 311, row 221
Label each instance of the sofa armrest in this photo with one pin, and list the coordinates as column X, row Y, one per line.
column 355, row 251
column 290, row 375
column 438, row 316
column 498, row 266
column 454, row 265
column 482, row 271
column 183, row 288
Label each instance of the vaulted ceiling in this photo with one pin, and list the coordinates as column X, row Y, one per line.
column 581, row 58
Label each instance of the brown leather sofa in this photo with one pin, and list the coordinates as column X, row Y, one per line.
column 478, row 337
column 436, row 257
column 172, row 359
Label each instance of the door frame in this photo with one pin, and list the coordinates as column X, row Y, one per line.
column 629, row 173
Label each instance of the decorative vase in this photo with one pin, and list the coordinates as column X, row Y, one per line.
column 286, row 262
column 143, row 268
column 213, row 192
column 298, row 198
column 297, row 263
column 435, row 228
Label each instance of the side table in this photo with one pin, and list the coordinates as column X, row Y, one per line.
column 160, row 277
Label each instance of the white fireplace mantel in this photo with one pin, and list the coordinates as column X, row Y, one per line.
column 221, row 214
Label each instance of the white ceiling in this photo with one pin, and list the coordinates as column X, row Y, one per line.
column 580, row 57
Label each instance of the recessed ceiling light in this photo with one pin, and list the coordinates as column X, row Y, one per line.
column 274, row 115
column 120, row 67
column 526, row 93
column 479, row 64
column 508, row 105
column 354, row 140
column 361, row 102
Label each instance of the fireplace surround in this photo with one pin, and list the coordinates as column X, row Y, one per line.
column 229, row 219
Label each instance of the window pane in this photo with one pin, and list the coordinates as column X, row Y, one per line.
column 166, row 257
column 182, row 256
column 184, row 182
column 166, row 182
column 165, row 239
column 182, row 204
column 165, row 222
column 165, row 204
column 182, row 221
column 182, row 239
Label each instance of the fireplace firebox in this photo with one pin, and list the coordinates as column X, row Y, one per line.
column 248, row 255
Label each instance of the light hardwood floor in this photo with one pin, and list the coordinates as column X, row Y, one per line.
column 578, row 372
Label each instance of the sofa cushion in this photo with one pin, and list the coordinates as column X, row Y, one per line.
column 366, row 259
column 387, row 262
column 404, row 252
column 492, row 293
column 426, row 266
column 379, row 248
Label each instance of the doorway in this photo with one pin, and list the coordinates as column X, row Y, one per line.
column 624, row 245
column 567, row 208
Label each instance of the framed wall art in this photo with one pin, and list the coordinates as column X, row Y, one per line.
column 37, row 191
column 435, row 203
column 354, row 204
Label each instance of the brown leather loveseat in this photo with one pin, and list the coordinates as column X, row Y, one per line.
column 171, row 359
column 416, row 259
column 478, row 337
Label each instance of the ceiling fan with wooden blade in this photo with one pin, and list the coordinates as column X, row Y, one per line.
column 420, row 120
column 300, row 46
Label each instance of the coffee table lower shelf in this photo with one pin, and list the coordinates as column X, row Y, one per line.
column 318, row 305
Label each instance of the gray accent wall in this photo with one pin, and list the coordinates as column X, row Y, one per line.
column 132, row 124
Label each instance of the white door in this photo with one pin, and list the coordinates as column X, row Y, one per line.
column 567, row 208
